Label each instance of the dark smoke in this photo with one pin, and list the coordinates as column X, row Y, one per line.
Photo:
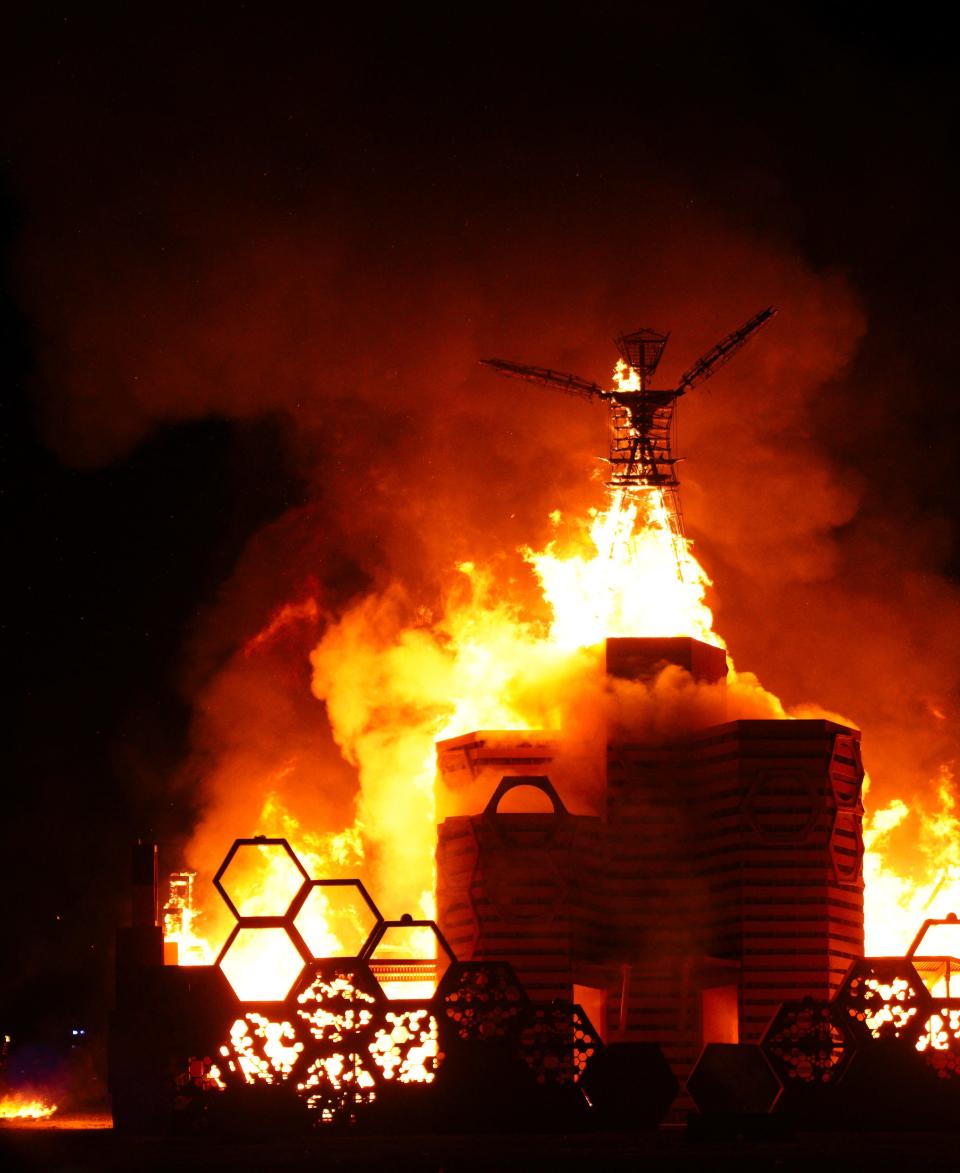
column 322, row 232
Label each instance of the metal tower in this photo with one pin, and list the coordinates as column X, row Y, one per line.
column 641, row 418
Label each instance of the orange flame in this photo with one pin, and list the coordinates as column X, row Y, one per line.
column 25, row 1107
column 896, row 904
column 396, row 680
column 623, row 578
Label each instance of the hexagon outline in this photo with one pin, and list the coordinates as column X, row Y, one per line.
column 406, row 922
column 810, row 784
column 266, row 922
column 261, row 841
column 837, row 1020
column 449, row 982
column 709, row 1056
column 297, row 907
column 859, row 968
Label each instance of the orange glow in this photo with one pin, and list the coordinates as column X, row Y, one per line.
column 396, row 678
column 262, row 1050
column 179, row 922
column 306, row 612
column 409, row 963
column 262, row 880
column 407, row 1048
column 25, row 1107
column 627, row 573
column 396, row 681
column 335, row 920
column 262, row 964
column 896, row 903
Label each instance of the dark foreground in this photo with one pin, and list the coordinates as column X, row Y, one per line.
column 89, row 1145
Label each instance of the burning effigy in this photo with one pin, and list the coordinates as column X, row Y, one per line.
column 624, row 865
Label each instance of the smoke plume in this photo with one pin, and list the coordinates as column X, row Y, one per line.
column 354, row 309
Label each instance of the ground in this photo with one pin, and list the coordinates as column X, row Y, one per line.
column 87, row 1144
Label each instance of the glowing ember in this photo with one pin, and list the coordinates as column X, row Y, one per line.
column 940, row 1042
column 887, row 1010
column 407, row 1048
column 25, row 1107
column 260, row 1049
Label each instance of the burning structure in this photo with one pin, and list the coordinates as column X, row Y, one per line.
column 708, row 895
column 642, row 420
column 723, row 878
column 724, row 874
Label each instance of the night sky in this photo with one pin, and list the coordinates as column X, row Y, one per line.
column 249, row 265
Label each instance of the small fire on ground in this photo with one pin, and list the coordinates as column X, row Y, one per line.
column 25, row 1107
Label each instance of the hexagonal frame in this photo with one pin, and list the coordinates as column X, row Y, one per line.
column 548, row 1041
column 789, row 1041
column 234, row 1075
column 261, row 841
column 266, row 922
column 335, row 1093
column 407, row 922
column 851, row 1008
column 378, row 920
column 389, row 1068
column 470, row 1015
column 718, row 1074
column 328, row 968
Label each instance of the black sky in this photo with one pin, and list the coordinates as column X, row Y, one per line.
column 136, row 142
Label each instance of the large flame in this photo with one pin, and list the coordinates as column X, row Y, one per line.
column 630, row 574
column 897, row 903
column 396, row 679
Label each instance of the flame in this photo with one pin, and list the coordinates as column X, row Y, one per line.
column 395, row 682
column 199, row 922
column 897, row 902
column 395, row 679
column 630, row 575
column 25, row 1107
